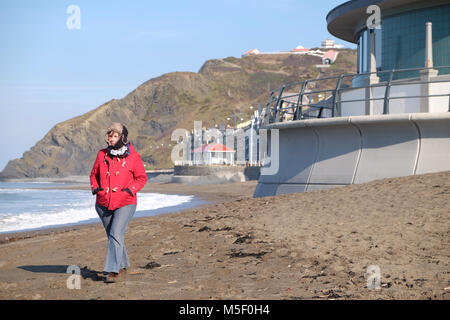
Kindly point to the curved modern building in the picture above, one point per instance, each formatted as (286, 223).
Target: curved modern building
(400, 39)
(391, 119)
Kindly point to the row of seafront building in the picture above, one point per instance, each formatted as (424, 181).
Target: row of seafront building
(231, 146)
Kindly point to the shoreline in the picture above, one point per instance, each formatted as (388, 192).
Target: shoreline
(207, 194)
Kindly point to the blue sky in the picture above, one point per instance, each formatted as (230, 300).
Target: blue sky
(50, 73)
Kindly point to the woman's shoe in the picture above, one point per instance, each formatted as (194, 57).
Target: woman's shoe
(112, 277)
(122, 271)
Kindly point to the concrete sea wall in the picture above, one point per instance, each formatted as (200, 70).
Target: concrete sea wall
(214, 174)
(325, 153)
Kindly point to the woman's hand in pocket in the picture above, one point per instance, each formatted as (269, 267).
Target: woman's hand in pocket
(128, 191)
(96, 190)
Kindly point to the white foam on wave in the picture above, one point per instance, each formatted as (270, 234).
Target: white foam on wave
(44, 182)
(152, 201)
(82, 211)
(19, 190)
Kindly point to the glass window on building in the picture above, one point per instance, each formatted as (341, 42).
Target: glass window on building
(378, 47)
(360, 55)
(400, 43)
(403, 40)
(364, 44)
(362, 52)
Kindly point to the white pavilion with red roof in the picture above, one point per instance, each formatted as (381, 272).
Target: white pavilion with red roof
(217, 153)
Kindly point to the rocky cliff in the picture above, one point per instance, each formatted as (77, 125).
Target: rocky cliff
(221, 88)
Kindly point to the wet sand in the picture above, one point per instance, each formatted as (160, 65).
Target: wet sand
(315, 245)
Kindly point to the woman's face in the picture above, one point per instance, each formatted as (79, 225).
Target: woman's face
(113, 137)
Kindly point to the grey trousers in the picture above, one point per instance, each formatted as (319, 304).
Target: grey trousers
(115, 223)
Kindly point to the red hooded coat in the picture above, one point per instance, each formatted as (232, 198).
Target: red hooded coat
(115, 174)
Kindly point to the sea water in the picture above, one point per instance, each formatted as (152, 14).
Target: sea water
(26, 206)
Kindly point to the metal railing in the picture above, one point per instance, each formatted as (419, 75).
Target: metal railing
(323, 97)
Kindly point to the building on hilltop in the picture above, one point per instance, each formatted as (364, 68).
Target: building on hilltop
(328, 56)
(251, 52)
(330, 44)
(300, 49)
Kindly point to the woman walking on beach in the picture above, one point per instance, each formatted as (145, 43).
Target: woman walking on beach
(117, 175)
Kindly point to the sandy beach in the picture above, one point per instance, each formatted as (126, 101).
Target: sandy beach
(315, 245)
